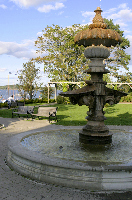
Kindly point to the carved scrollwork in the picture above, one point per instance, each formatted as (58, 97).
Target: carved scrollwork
(86, 100)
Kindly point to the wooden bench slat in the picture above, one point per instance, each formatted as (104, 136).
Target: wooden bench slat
(46, 112)
(23, 110)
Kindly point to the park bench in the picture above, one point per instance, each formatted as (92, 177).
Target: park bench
(23, 110)
(12, 104)
(46, 112)
(20, 103)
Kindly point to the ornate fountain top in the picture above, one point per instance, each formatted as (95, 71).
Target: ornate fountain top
(98, 34)
(98, 21)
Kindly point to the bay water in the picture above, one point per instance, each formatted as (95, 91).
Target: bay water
(5, 94)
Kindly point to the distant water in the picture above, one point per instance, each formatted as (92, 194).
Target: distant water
(4, 94)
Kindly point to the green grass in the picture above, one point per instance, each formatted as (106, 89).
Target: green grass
(71, 115)
(6, 113)
(119, 114)
(35, 104)
(74, 115)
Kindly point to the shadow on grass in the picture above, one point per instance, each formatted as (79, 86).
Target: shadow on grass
(63, 107)
(121, 119)
(110, 109)
(70, 122)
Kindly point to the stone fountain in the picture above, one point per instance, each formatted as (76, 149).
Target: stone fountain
(95, 94)
(57, 155)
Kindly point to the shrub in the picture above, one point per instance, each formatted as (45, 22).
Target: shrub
(52, 100)
(37, 100)
(66, 100)
(60, 99)
(127, 98)
(3, 105)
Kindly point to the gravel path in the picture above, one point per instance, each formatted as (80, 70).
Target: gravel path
(16, 187)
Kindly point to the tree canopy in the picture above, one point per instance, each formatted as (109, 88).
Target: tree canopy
(64, 60)
(28, 79)
(44, 92)
(119, 59)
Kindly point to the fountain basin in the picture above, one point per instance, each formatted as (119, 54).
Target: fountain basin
(57, 157)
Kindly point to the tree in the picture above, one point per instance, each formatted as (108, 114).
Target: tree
(44, 92)
(28, 79)
(64, 60)
(119, 59)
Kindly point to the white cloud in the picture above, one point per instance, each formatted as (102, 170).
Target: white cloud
(60, 13)
(126, 15)
(87, 14)
(111, 10)
(48, 8)
(121, 23)
(28, 3)
(123, 6)
(126, 31)
(3, 69)
(121, 14)
(129, 37)
(3, 6)
(39, 33)
(24, 50)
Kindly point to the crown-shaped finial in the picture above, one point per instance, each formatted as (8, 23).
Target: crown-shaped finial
(98, 21)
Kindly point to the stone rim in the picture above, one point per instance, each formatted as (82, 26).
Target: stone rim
(17, 148)
(90, 176)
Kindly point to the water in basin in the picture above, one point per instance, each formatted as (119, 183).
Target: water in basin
(65, 144)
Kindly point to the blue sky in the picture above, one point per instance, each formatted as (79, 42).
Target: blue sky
(22, 21)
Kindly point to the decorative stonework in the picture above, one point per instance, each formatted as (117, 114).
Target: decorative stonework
(98, 33)
(98, 21)
(95, 94)
(97, 52)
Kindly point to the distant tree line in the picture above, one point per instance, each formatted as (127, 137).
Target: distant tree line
(12, 87)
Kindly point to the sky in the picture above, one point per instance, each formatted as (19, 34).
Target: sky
(22, 21)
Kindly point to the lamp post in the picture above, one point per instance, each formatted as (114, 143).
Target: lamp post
(8, 85)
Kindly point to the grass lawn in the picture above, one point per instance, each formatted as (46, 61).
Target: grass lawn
(118, 114)
(74, 115)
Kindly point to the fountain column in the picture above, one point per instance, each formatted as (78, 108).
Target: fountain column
(95, 131)
(97, 39)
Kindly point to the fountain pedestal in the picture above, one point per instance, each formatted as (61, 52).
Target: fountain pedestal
(95, 94)
(95, 131)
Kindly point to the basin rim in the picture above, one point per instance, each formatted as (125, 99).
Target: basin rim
(18, 149)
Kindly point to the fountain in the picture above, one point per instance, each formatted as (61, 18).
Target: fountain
(95, 94)
(95, 160)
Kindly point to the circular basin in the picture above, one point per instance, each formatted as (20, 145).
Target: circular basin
(57, 157)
